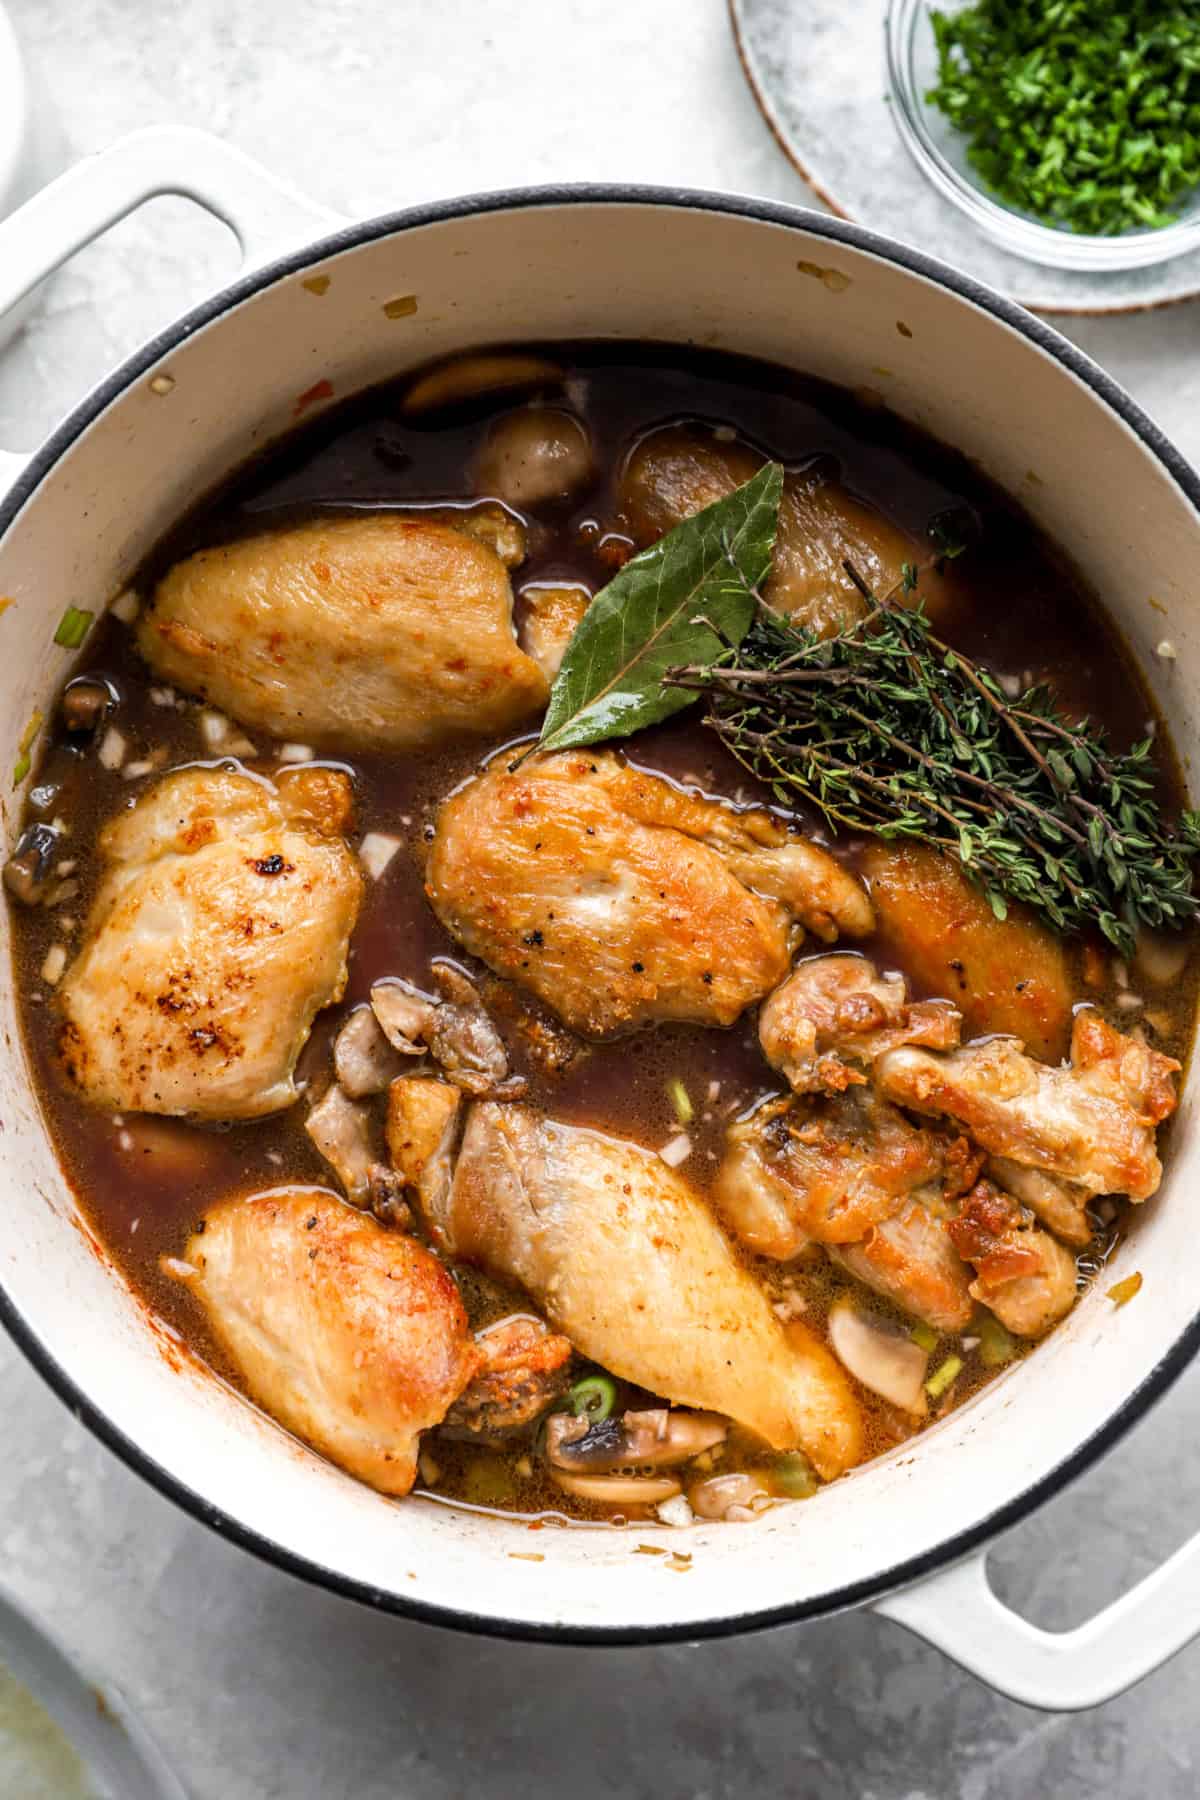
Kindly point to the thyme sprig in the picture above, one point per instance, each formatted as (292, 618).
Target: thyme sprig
(886, 729)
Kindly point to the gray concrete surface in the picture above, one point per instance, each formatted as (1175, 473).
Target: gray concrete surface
(260, 1686)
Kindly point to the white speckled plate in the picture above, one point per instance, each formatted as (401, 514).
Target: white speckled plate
(62, 1737)
(816, 69)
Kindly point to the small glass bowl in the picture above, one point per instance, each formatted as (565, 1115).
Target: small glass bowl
(940, 152)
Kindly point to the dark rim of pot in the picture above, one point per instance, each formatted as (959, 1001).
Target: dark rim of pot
(1037, 332)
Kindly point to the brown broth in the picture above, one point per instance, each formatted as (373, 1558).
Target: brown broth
(142, 1182)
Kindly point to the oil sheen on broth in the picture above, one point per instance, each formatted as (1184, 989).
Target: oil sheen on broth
(1014, 604)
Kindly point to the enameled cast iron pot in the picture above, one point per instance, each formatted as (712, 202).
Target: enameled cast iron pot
(908, 1534)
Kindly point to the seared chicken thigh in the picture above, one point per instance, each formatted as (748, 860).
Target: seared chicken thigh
(220, 928)
(911, 1260)
(378, 632)
(621, 899)
(830, 1168)
(851, 1174)
(678, 471)
(1025, 1276)
(835, 1014)
(624, 1258)
(350, 1335)
(1005, 975)
(1092, 1123)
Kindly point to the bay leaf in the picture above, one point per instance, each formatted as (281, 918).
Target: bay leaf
(664, 608)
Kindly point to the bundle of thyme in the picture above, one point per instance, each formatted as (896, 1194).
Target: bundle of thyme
(888, 730)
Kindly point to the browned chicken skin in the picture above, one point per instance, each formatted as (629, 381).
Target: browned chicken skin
(1091, 1123)
(377, 632)
(551, 615)
(620, 899)
(1025, 1276)
(1004, 975)
(911, 1260)
(679, 470)
(523, 1369)
(835, 1014)
(625, 1259)
(849, 1172)
(844, 1162)
(350, 1335)
(220, 928)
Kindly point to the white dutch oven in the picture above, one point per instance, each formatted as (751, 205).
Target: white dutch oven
(907, 1534)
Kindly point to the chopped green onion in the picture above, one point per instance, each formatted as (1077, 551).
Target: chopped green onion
(34, 724)
(73, 627)
(996, 1344)
(794, 1476)
(593, 1398)
(942, 1376)
(24, 759)
(681, 1100)
(1125, 1290)
(924, 1337)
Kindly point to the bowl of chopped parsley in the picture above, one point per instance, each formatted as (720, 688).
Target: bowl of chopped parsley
(1068, 130)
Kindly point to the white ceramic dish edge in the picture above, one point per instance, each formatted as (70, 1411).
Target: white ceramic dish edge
(67, 517)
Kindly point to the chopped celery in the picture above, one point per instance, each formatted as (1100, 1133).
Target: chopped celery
(943, 1376)
(794, 1476)
(73, 627)
(681, 1100)
(924, 1337)
(996, 1345)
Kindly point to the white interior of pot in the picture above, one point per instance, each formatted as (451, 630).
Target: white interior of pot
(632, 271)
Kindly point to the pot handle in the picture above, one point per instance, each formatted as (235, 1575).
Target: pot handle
(265, 214)
(1058, 1671)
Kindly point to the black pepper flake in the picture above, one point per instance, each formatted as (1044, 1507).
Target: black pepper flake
(272, 865)
(310, 1223)
(534, 939)
(706, 978)
(639, 968)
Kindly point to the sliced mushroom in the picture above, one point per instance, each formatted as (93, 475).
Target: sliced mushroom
(657, 1438)
(888, 1363)
(28, 870)
(363, 1059)
(535, 454)
(735, 1498)
(619, 1490)
(341, 1130)
(463, 1039)
(404, 1013)
(468, 377)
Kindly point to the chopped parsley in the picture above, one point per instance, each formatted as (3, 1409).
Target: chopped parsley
(1085, 113)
